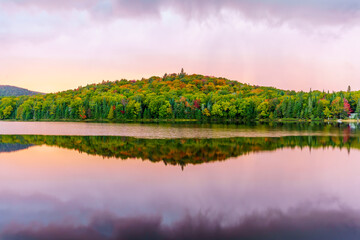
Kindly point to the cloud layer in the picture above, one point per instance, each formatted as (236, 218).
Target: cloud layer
(314, 11)
(57, 45)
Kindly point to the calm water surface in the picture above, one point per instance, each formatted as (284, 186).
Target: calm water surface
(289, 187)
(176, 130)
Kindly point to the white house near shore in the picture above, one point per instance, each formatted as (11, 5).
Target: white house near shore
(354, 116)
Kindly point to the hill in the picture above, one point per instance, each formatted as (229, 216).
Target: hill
(6, 90)
(180, 96)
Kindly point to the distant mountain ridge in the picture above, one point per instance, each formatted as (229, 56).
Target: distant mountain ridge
(6, 90)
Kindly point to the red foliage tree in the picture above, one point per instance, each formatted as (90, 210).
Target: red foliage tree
(196, 103)
(347, 107)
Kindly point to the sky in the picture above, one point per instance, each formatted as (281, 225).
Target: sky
(57, 45)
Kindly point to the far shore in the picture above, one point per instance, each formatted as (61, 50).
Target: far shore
(227, 121)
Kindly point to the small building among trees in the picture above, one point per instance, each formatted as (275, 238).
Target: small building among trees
(354, 116)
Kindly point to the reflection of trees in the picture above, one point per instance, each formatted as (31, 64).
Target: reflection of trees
(12, 147)
(180, 151)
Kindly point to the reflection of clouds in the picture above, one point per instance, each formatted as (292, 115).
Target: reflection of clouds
(298, 223)
(39, 209)
(83, 184)
(78, 190)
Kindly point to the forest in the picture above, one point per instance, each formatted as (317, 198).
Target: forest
(176, 151)
(180, 97)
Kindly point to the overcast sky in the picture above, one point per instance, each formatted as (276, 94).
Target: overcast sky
(62, 44)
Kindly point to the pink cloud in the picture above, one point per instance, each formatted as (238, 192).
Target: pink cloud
(57, 45)
(333, 12)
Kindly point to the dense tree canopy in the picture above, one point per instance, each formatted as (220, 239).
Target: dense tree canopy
(180, 96)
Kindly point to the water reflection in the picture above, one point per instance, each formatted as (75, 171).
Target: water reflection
(177, 151)
(12, 147)
(49, 191)
(273, 224)
(292, 187)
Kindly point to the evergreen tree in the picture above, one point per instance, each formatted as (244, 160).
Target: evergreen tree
(111, 113)
(357, 111)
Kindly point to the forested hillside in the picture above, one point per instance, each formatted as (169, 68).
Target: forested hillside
(180, 96)
(6, 90)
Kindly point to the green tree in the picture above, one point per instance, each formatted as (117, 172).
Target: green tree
(111, 113)
(7, 112)
(327, 113)
(263, 110)
(357, 110)
(216, 110)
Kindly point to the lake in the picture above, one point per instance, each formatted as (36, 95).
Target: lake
(179, 181)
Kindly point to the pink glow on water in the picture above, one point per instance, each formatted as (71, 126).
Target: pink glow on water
(270, 180)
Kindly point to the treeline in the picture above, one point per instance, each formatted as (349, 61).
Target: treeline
(180, 96)
(177, 151)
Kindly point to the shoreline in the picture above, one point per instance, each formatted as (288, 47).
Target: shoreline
(192, 121)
